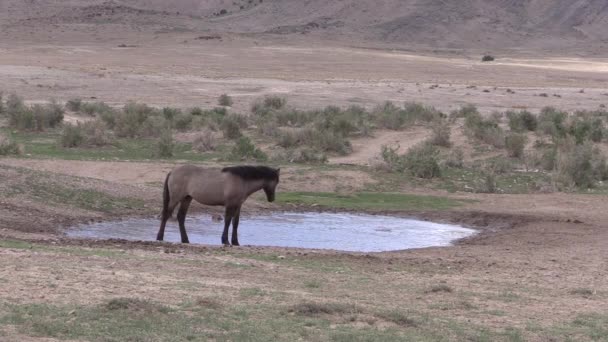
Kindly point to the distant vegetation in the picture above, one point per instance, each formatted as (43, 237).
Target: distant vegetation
(544, 151)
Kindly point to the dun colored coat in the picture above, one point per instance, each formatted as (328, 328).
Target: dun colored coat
(229, 187)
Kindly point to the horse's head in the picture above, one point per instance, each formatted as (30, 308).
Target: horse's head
(270, 186)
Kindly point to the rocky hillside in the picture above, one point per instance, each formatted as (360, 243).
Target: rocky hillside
(485, 24)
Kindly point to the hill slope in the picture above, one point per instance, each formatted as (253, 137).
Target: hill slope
(534, 24)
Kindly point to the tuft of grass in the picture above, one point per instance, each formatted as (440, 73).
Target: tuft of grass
(315, 309)
(583, 292)
(439, 288)
(369, 201)
(398, 317)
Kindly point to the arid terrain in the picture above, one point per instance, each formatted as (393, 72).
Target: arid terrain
(536, 271)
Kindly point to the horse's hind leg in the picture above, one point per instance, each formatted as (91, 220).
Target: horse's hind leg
(165, 216)
(230, 211)
(235, 227)
(181, 218)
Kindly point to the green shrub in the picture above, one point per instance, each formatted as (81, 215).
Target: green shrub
(244, 149)
(183, 121)
(153, 126)
(392, 117)
(170, 113)
(551, 122)
(8, 146)
(274, 102)
(485, 130)
(231, 128)
(522, 121)
(441, 134)
(74, 104)
(487, 58)
(196, 111)
(87, 134)
(420, 161)
(92, 108)
(579, 166)
(455, 159)
(597, 130)
(72, 136)
(515, 144)
(464, 112)
(165, 145)
(129, 122)
(37, 117)
(2, 108)
(205, 141)
(225, 100)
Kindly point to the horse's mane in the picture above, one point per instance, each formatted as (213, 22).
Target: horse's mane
(247, 172)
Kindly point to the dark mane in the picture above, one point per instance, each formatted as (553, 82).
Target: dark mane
(253, 172)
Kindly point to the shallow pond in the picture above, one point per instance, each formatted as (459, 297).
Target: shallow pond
(338, 231)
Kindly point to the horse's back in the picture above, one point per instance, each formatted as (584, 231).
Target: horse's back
(205, 185)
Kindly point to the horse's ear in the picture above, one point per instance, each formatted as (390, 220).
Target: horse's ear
(278, 171)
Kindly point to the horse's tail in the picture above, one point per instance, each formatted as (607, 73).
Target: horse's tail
(166, 198)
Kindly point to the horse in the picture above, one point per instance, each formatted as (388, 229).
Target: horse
(229, 187)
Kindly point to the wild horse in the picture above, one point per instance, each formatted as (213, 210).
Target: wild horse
(229, 187)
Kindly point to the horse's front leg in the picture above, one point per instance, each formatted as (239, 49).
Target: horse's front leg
(230, 211)
(235, 227)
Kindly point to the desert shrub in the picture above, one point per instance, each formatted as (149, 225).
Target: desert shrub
(420, 161)
(552, 122)
(37, 117)
(464, 112)
(225, 100)
(196, 111)
(317, 138)
(170, 113)
(92, 108)
(269, 128)
(487, 58)
(183, 121)
(74, 104)
(72, 136)
(394, 161)
(498, 165)
(165, 144)
(87, 134)
(522, 121)
(96, 134)
(441, 134)
(485, 130)
(324, 140)
(515, 144)
(579, 166)
(109, 118)
(231, 127)
(153, 126)
(488, 183)
(389, 116)
(274, 102)
(597, 130)
(455, 158)
(205, 141)
(8, 146)
(2, 108)
(244, 149)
